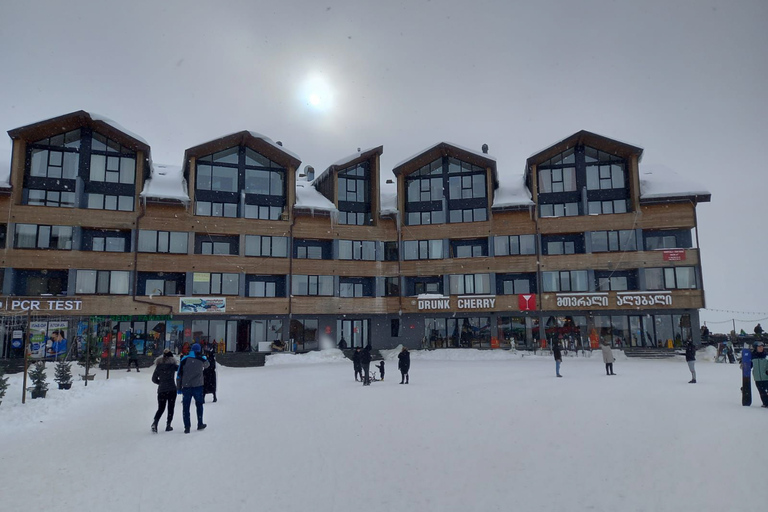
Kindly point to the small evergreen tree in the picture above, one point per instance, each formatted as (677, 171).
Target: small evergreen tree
(37, 374)
(90, 356)
(63, 375)
(3, 383)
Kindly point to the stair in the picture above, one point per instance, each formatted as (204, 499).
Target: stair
(650, 353)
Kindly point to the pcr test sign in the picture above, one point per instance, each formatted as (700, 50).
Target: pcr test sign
(43, 304)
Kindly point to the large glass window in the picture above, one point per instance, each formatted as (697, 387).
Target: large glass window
(468, 284)
(29, 282)
(617, 280)
(266, 246)
(312, 285)
(559, 209)
(172, 242)
(265, 286)
(162, 283)
(53, 165)
(353, 191)
(217, 244)
(33, 236)
(55, 198)
(557, 180)
(103, 282)
(391, 286)
(469, 332)
(304, 332)
(514, 245)
(215, 283)
(562, 244)
(668, 239)
(670, 278)
(357, 250)
(565, 281)
(469, 248)
(312, 249)
(422, 249)
(612, 241)
(515, 284)
(424, 284)
(356, 287)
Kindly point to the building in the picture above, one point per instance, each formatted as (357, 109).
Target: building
(240, 247)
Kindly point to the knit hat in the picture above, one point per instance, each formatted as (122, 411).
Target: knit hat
(167, 352)
(196, 347)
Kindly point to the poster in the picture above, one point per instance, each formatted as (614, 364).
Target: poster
(57, 343)
(203, 304)
(37, 341)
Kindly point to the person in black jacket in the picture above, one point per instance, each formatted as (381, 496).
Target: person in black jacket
(380, 366)
(365, 360)
(164, 376)
(690, 356)
(558, 356)
(357, 364)
(404, 365)
(209, 374)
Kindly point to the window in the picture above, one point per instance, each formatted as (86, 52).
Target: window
(391, 252)
(171, 242)
(312, 285)
(265, 286)
(668, 239)
(211, 209)
(312, 249)
(391, 286)
(162, 283)
(557, 180)
(612, 241)
(670, 278)
(562, 244)
(3, 231)
(468, 284)
(356, 287)
(559, 210)
(357, 250)
(304, 332)
(266, 246)
(469, 248)
(394, 327)
(49, 163)
(565, 281)
(514, 245)
(106, 241)
(469, 215)
(353, 188)
(422, 249)
(515, 284)
(204, 283)
(103, 282)
(618, 280)
(110, 202)
(605, 177)
(217, 245)
(607, 207)
(40, 282)
(221, 176)
(33, 236)
(58, 199)
(425, 284)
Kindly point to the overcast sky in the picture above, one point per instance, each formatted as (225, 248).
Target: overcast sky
(685, 80)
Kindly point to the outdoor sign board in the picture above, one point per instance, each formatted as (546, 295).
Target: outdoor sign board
(674, 255)
(203, 305)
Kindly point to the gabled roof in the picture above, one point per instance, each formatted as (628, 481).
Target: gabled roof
(349, 161)
(447, 149)
(584, 137)
(79, 119)
(259, 143)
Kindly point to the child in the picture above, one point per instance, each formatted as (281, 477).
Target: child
(380, 366)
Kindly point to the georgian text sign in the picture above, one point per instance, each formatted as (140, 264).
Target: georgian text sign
(621, 300)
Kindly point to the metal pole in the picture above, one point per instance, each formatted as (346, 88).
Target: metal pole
(27, 341)
(109, 347)
(88, 351)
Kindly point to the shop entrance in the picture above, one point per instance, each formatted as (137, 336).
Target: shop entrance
(355, 332)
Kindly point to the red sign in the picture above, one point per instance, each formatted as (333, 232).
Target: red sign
(526, 302)
(674, 255)
(327, 329)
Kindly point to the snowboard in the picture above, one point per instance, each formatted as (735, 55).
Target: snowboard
(746, 377)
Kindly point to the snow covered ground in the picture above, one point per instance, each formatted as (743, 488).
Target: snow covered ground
(472, 431)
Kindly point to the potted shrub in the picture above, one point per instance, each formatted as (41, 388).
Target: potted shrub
(89, 358)
(3, 384)
(63, 375)
(39, 386)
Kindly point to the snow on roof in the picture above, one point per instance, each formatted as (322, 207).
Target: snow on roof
(106, 120)
(344, 161)
(5, 173)
(478, 153)
(308, 197)
(658, 180)
(166, 182)
(388, 198)
(512, 193)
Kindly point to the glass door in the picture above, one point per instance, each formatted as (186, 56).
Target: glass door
(355, 332)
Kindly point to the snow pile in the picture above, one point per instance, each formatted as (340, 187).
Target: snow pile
(512, 193)
(166, 182)
(310, 198)
(658, 180)
(708, 354)
(331, 355)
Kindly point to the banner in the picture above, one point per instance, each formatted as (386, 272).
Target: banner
(37, 341)
(203, 304)
(56, 345)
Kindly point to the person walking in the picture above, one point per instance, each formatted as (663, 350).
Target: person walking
(133, 356)
(760, 371)
(690, 356)
(558, 356)
(357, 364)
(209, 374)
(189, 383)
(608, 358)
(165, 371)
(404, 365)
(365, 360)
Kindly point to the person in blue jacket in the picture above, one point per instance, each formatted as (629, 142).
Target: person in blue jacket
(189, 384)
